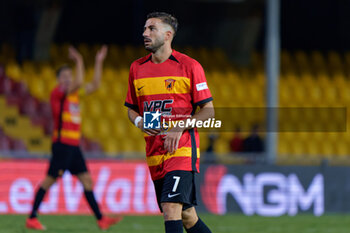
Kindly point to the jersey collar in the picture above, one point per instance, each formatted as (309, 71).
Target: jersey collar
(171, 58)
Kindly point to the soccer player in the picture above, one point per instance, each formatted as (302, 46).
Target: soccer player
(66, 154)
(171, 83)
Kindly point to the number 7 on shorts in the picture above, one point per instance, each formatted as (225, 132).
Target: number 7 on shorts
(177, 180)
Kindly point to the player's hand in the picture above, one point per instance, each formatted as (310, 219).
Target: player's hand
(74, 54)
(172, 139)
(101, 53)
(150, 132)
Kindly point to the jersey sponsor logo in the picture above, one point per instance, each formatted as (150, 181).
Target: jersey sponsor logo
(139, 88)
(74, 108)
(201, 86)
(169, 84)
(157, 105)
(173, 195)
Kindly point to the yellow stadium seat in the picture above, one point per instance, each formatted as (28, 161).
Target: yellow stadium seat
(37, 88)
(342, 148)
(327, 149)
(302, 60)
(203, 141)
(19, 127)
(286, 59)
(103, 129)
(126, 145)
(120, 128)
(318, 61)
(47, 72)
(111, 146)
(130, 53)
(29, 67)
(297, 148)
(14, 71)
(331, 95)
(256, 94)
(257, 60)
(140, 146)
(312, 148)
(221, 146)
(84, 50)
(335, 61)
(111, 110)
(54, 51)
(109, 76)
(88, 127)
(282, 148)
(94, 108)
(300, 94)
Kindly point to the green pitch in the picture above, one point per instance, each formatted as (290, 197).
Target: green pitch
(218, 224)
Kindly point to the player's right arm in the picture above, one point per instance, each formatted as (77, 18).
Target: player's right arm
(132, 103)
(132, 114)
(77, 82)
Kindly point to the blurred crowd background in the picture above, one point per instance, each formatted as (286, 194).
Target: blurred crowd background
(226, 37)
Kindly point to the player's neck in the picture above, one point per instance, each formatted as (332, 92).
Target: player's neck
(162, 54)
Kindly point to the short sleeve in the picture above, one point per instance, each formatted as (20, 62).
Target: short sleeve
(200, 90)
(57, 94)
(131, 99)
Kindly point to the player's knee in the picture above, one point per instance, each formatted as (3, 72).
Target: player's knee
(86, 180)
(88, 184)
(48, 181)
(189, 218)
(171, 211)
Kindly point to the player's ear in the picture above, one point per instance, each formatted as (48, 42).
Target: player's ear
(168, 35)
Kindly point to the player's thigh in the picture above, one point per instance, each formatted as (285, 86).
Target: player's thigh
(158, 186)
(171, 211)
(59, 161)
(78, 164)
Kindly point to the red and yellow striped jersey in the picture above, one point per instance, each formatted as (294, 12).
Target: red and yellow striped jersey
(175, 87)
(66, 116)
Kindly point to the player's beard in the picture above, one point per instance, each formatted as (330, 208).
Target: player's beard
(154, 46)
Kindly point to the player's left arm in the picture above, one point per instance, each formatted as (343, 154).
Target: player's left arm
(79, 75)
(172, 138)
(96, 81)
(205, 112)
(201, 97)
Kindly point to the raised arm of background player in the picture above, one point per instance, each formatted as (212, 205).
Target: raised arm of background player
(77, 82)
(99, 59)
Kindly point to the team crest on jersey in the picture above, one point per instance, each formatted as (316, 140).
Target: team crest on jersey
(169, 84)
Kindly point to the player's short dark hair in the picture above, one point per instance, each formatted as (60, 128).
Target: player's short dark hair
(166, 18)
(62, 68)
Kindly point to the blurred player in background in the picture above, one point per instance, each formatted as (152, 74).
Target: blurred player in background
(66, 154)
(171, 83)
